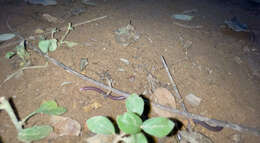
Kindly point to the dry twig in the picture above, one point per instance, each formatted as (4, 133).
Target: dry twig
(175, 88)
(21, 70)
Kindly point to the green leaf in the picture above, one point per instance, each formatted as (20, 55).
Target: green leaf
(21, 51)
(34, 133)
(101, 125)
(135, 104)
(137, 138)
(48, 45)
(51, 108)
(53, 45)
(70, 44)
(9, 55)
(6, 36)
(129, 123)
(158, 127)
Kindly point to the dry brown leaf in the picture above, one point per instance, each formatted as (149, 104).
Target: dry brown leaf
(65, 126)
(163, 96)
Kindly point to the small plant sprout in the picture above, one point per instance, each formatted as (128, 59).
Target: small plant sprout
(131, 124)
(53, 31)
(20, 50)
(70, 28)
(36, 132)
(52, 44)
(48, 45)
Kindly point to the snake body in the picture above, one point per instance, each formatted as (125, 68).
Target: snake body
(100, 91)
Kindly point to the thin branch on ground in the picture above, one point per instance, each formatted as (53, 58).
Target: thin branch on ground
(175, 88)
(21, 70)
(240, 128)
(89, 21)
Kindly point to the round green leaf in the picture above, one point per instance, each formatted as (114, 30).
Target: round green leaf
(135, 104)
(51, 108)
(34, 133)
(101, 125)
(137, 138)
(158, 127)
(44, 46)
(129, 123)
(48, 45)
(53, 45)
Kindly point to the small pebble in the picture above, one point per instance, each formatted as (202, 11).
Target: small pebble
(238, 60)
(246, 49)
(236, 138)
(124, 61)
(193, 100)
(131, 78)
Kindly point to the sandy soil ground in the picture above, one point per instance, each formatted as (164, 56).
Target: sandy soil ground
(221, 67)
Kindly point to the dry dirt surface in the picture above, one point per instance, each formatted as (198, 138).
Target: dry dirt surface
(220, 66)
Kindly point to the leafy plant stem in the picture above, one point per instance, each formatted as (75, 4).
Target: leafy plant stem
(5, 105)
(27, 117)
(53, 32)
(66, 33)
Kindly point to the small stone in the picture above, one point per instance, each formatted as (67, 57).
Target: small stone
(126, 35)
(236, 138)
(98, 138)
(238, 60)
(246, 49)
(193, 100)
(187, 44)
(163, 96)
(194, 137)
(124, 61)
(83, 63)
(64, 126)
(132, 78)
